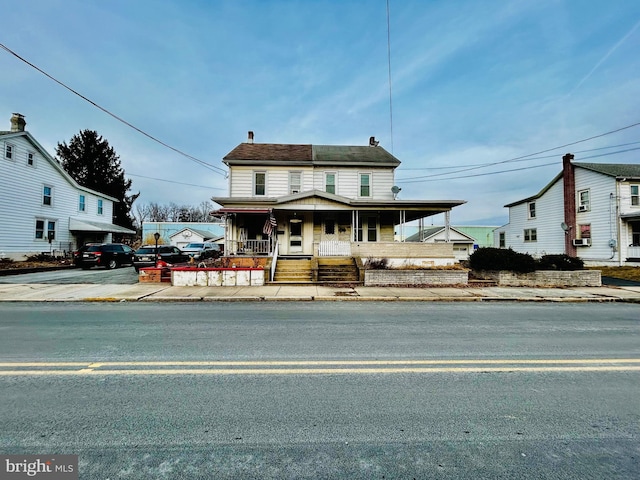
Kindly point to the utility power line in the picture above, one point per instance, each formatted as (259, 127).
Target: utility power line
(218, 170)
(175, 182)
(413, 179)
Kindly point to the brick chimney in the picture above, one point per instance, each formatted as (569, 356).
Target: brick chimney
(17, 123)
(569, 184)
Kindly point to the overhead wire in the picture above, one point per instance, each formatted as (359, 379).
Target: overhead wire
(413, 179)
(217, 170)
(174, 182)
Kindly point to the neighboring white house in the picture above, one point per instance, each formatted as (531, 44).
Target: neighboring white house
(42, 209)
(320, 200)
(181, 233)
(463, 244)
(589, 210)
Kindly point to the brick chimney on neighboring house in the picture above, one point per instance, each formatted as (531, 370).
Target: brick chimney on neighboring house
(17, 123)
(569, 183)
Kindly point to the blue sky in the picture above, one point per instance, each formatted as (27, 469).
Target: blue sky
(473, 82)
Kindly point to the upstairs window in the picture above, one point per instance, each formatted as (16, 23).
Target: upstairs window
(31, 159)
(100, 207)
(82, 203)
(259, 183)
(330, 182)
(584, 204)
(8, 151)
(530, 235)
(502, 240)
(635, 195)
(295, 182)
(47, 195)
(532, 209)
(365, 184)
(585, 230)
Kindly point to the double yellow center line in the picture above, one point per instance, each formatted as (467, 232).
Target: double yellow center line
(319, 367)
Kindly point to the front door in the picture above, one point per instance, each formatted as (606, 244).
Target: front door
(295, 235)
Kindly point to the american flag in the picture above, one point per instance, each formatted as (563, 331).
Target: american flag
(269, 225)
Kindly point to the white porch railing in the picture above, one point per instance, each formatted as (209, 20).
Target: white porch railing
(334, 248)
(633, 252)
(249, 247)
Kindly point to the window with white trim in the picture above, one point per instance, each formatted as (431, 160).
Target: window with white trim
(635, 195)
(330, 182)
(502, 242)
(295, 182)
(51, 230)
(9, 151)
(584, 204)
(259, 184)
(365, 184)
(100, 207)
(530, 235)
(47, 195)
(531, 207)
(31, 159)
(82, 203)
(39, 229)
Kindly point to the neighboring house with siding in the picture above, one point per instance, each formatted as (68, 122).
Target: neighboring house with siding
(42, 209)
(319, 201)
(182, 233)
(589, 210)
(465, 239)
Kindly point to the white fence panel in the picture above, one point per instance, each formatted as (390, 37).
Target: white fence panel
(334, 248)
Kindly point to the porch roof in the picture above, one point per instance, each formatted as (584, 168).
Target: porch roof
(317, 200)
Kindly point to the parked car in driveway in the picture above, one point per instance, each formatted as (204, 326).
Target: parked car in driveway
(202, 250)
(109, 255)
(145, 256)
(77, 255)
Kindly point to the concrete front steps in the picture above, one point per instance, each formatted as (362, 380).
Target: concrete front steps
(293, 271)
(335, 270)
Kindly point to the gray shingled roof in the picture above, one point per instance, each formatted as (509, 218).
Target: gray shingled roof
(613, 169)
(309, 154)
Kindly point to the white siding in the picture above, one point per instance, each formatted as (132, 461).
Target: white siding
(347, 181)
(549, 216)
(21, 193)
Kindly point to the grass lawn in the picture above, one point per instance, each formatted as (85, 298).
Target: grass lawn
(627, 273)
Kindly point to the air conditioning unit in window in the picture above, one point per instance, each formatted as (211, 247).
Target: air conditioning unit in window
(581, 242)
(582, 208)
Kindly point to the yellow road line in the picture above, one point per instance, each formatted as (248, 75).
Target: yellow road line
(258, 363)
(323, 371)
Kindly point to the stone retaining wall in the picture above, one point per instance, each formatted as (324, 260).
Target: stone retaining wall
(415, 277)
(546, 278)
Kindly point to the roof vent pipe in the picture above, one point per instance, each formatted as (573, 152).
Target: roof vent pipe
(250, 140)
(373, 142)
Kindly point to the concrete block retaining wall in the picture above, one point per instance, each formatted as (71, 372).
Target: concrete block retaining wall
(546, 278)
(415, 277)
(217, 277)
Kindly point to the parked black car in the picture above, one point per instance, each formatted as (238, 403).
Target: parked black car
(145, 256)
(77, 255)
(109, 255)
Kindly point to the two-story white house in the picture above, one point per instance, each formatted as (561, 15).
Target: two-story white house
(589, 210)
(42, 209)
(321, 200)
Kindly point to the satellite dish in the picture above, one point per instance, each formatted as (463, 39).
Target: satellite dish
(395, 190)
(564, 226)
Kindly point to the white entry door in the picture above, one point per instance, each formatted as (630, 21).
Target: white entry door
(295, 235)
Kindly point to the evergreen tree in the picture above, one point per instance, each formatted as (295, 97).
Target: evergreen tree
(93, 163)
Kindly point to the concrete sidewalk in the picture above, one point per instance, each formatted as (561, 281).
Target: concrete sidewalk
(162, 292)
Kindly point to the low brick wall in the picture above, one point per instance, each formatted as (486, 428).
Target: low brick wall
(546, 278)
(216, 277)
(373, 278)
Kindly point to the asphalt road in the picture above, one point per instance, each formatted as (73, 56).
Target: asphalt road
(325, 390)
(97, 275)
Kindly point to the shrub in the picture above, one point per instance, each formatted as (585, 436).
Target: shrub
(560, 262)
(490, 258)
